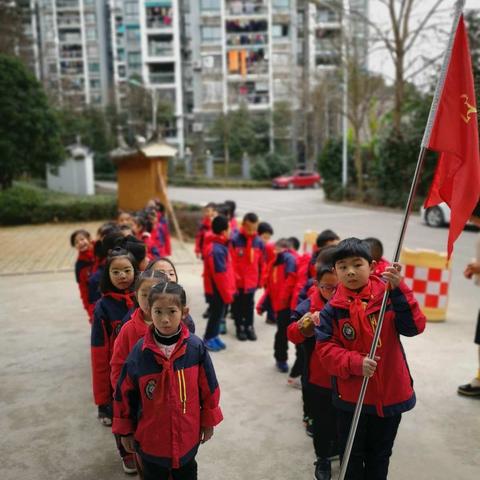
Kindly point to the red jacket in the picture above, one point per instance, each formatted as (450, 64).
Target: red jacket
(204, 227)
(281, 281)
(130, 333)
(302, 277)
(107, 319)
(164, 402)
(248, 260)
(317, 374)
(218, 275)
(83, 270)
(344, 338)
(162, 236)
(382, 264)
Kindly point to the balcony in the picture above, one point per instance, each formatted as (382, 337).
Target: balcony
(162, 78)
(159, 18)
(240, 8)
(68, 21)
(70, 38)
(160, 50)
(74, 52)
(247, 40)
(68, 5)
(327, 16)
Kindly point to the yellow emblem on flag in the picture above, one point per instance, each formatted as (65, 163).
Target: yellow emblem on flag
(470, 109)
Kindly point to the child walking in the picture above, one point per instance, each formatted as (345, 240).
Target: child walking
(345, 334)
(167, 397)
(219, 280)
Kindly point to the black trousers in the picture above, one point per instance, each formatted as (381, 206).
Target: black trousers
(324, 415)
(216, 313)
(477, 330)
(298, 366)
(280, 345)
(242, 309)
(372, 446)
(152, 471)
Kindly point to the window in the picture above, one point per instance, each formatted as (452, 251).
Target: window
(95, 84)
(133, 35)
(134, 60)
(92, 51)
(279, 31)
(89, 18)
(131, 8)
(91, 34)
(93, 67)
(209, 5)
(281, 4)
(211, 34)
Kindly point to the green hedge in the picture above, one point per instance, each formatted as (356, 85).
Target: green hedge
(24, 204)
(217, 183)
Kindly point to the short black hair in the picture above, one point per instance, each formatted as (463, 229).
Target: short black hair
(211, 205)
(106, 284)
(106, 229)
(135, 246)
(219, 224)
(143, 222)
(351, 247)
(264, 227)
(250, 217)
(223, 209)
(109, 242)
(282, 243)
(80, 231)
(324, 257)
(294, 243)
(168, 288)
(232, 206)
(326, 236)
(324, 269)
(376, 247)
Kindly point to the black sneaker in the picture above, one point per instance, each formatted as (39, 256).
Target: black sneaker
(323, 469)
(241, 334)
(105, 415)
(469, 390)
(251, 335)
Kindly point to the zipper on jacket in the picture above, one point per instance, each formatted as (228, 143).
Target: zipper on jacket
(183, 389)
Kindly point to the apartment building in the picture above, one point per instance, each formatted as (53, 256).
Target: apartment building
(147, 53)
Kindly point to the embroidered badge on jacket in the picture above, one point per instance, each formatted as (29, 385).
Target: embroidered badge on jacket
(150, 388)
(348, 331)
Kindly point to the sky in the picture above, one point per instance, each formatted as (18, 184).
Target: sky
(430, 46)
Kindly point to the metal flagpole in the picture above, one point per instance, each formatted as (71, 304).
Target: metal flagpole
(421, 158)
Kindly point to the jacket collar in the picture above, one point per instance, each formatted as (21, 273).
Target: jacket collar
(150, 344)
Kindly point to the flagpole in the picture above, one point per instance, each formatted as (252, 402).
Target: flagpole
(421, 159)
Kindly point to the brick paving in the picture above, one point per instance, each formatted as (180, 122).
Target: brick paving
(46, 248)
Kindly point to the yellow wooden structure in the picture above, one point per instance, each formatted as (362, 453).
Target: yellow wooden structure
(142, 174)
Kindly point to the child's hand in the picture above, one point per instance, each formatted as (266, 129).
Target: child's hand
(306, 325)
(369, 366)
(206, 433)
(393, 275)
(473, 268)
(128, 443)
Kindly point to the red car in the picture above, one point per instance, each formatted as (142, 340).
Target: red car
(298, 179)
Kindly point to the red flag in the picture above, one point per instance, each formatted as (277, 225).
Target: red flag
(455, 136)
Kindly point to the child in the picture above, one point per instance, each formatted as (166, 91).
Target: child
(136, 327)
(163, 238)
(232, 206)
(219, 280)
(279, 289)
(209, 212)
(345, 334)
(376, 249)
(265, 232)
(248, 254)
(80, 239)
(320, 414)
(124, 218)
(142, 227)
(167, 397)
(117, 298)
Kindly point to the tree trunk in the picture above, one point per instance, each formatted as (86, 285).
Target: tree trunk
(357, 159)
(399, 94)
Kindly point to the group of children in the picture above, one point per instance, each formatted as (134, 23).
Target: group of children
(153, 379)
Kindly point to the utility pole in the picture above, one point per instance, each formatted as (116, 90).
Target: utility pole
(345, 31)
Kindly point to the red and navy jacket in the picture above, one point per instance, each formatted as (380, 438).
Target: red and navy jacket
(162, 237)
(248, 254)
(344, 338)
(93, 285)
(205, 226)
(164, 401)
(233, 226)
(269, 259)
(218, 274)
(83, 271)
(302, 278)
(315, 373)
(107, 320)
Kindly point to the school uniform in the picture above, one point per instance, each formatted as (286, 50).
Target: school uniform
(83, 270)
(344, 336)
(93, 286)
(164, 398)
(219, 281)
(162, 237)
(279, 290)
(204, 227)
(248, 264)
(316, 382)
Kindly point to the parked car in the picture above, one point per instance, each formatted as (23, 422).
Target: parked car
(439, 216)
(298, 179)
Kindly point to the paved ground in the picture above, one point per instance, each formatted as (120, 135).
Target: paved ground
(48, 420)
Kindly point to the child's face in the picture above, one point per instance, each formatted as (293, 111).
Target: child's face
(121, 273)
(250, 228)
(142, 297)
(124, 219)
(137, 228)
(167, 269)
(210, 212)
(353, 272)
(327, 285)
(82, 243)
(266, 237)
(167, 314)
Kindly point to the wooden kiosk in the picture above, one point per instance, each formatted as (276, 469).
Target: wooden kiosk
(142, 174)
